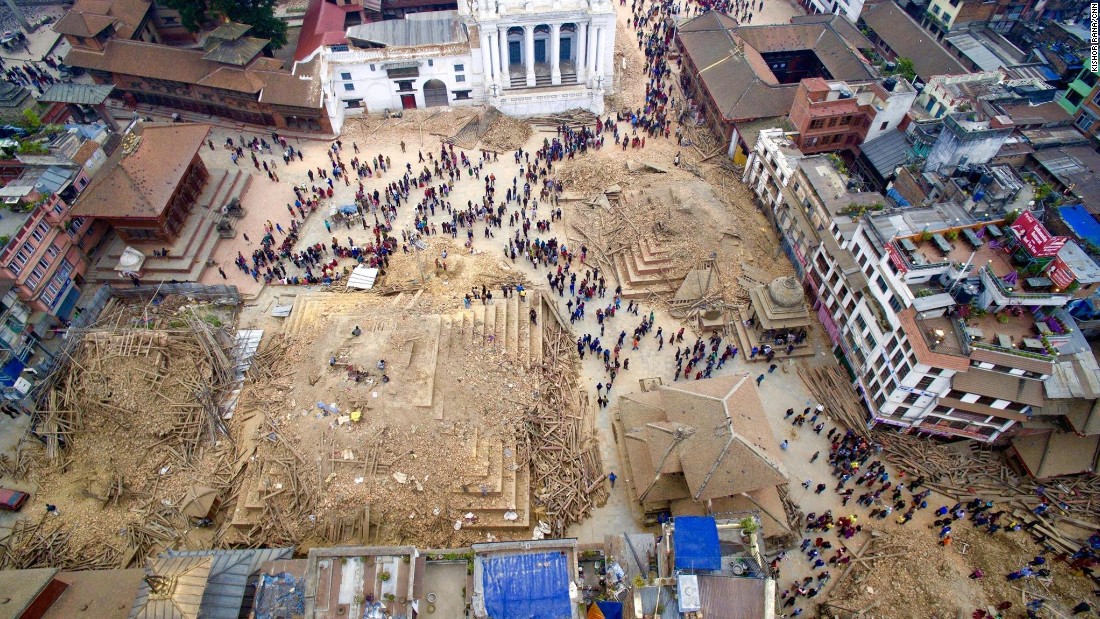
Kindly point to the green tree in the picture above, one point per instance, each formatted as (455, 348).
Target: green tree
(260, 14)
(905, 68)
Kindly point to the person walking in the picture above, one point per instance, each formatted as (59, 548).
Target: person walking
(759, 379)
(611, 477)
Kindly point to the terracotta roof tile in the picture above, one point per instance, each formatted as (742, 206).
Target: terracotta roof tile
(93, 16)
(907, 39)
(139, 184)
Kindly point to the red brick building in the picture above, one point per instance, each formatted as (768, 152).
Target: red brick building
(147, 189)
(834, 116)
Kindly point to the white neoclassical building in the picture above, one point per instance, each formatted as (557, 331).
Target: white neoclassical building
(543, 56)
(524, 58)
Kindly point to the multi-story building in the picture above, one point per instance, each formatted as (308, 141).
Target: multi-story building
(520, 60)
(834, 115)
(228, 76)
(949, 325)
(1080, 93)
(968, 137)
(736, 75)
(943, 16)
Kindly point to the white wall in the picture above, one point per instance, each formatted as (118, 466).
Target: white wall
(365, 72)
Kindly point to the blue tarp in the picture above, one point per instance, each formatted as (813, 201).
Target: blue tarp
(527, 586)
(696, 543)
(1082, 222)
(348, 209)
(898, 198)
(607, 610)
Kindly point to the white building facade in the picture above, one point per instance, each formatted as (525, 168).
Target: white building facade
(546, 56)
(524, 58)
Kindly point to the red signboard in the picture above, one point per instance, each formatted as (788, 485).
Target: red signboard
(1035, 238)
(1060, 274)
(895, 257)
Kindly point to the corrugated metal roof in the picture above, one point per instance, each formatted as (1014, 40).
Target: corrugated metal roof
(81, 94)
(440, 29)
(727, 597)
(184, 579)
(977, 52)
(227, 582)
(886, 152)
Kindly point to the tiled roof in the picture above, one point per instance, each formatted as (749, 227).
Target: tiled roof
(727, 448)
(82, 94)
(154, 61)
(323, 24)
(140, 184)
(88, 18)
(728, 59)
(300, 88)
(909, 40)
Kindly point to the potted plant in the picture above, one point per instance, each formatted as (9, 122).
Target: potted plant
(384, 576)
(748, 526)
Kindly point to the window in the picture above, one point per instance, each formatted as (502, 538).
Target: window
(460, 78)
(1096, 99)
(339, 48)
(349, 87)
(884, 125)
(430, 62)
(882, 284)
(40, 231)
(459, 68)
(936, 9)
(1088, 77)
(462, 94)
(847, 120)
(817, 124)
(345, 76)
(404, 86)
(169, 20)
(1073, 97)
(353, 103)
(833, 121)
(52, 250)
(1085, 121)
(372, 67)
(925, 383)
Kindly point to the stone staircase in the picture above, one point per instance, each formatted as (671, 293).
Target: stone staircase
(495, 484)
(646, 268)
(504, 325)
(189, 254)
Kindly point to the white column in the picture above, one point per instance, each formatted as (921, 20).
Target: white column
(555, 53)
(597, 63)
(505, 78)
(529, 53)
(494, 49)
(486, 59)
(581, 41)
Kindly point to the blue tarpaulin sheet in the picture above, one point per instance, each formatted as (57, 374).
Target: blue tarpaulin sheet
(696, 543)
(348, 209)
(606, 610)
(901, 201)
(527, 586)
(1082, 222)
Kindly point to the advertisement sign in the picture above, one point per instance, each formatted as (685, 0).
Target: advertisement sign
(1060, 274)
(1035, 238)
